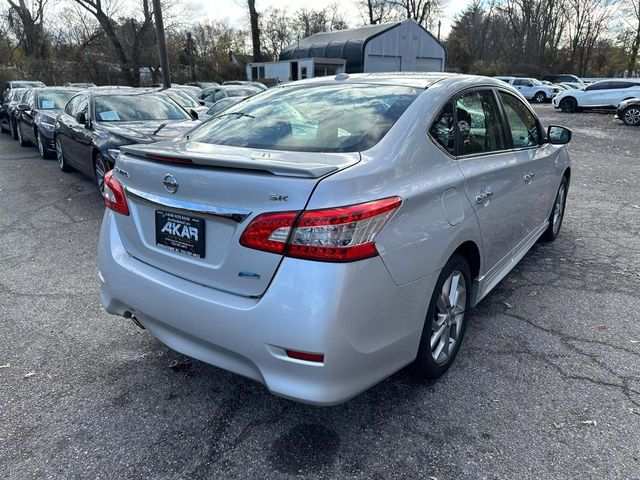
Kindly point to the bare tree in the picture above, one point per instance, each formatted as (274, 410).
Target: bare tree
(255, 31)
(377, 11)
(26, 21)
(422, 11)
(276, 31)
(102, 14)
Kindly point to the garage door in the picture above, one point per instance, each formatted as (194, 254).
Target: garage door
(428, 64)
(378, 63)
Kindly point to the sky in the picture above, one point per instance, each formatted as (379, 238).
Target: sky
(235, 11)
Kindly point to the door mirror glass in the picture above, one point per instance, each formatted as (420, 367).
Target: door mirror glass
(558, 135)
(81, 118)
(193, 114)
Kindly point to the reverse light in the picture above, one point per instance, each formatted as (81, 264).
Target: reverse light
(342, 234)
(114, 197)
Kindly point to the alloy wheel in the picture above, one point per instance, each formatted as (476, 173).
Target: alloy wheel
(540, 97)
(558, 208)
(446, 324)
(632, 116)
(59, 155)
(40, 145)
(100, 171)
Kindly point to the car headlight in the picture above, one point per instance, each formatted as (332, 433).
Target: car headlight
(47, 127)
(113, 153)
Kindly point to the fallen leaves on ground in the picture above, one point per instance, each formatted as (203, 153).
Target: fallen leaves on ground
(6, 365)
(592, 423)
(29, 375)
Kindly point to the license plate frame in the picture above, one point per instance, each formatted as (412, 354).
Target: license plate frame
(180, 233)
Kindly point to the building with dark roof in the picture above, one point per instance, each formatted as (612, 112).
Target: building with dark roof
(403, 46)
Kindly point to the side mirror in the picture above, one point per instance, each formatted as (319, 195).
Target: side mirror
(23, 107)
(81, 118)
(193, 114)
(558, 135)
(201, 102)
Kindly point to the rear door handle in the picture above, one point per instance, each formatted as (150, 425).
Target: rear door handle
(483, 197)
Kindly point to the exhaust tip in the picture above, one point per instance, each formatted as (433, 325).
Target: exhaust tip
(128, 314)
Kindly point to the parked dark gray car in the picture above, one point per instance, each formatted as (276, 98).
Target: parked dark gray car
(36, 116)
(97, 122)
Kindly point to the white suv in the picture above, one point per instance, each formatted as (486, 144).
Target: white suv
(532, 89)
(603, 94)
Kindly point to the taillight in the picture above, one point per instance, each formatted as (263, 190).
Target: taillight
(114, 197)
(342, 234)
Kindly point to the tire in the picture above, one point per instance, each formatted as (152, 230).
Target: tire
(631, 116)
(557, 212)
(569, 105)
(14, 129)
(21, 139)
(4, 130)
(540, 97)
(433, 362)
(44, 153)
(100, 168)
(60, 158)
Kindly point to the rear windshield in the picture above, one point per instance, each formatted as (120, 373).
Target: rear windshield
(26, 84)
(182, 99)
(136, 108)
(55, 99)
(321, 118)
(242, 92)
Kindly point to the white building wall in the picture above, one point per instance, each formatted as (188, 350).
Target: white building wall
(405, 48)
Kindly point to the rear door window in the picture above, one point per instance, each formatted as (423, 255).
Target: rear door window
(478, 123)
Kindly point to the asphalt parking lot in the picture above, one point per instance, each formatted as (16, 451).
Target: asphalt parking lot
(547, 384)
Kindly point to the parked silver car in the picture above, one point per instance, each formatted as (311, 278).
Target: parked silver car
(322, 235)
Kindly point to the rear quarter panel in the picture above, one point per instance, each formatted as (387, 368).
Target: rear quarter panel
(420, 238)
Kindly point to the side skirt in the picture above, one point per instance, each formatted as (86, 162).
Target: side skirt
(487, 282)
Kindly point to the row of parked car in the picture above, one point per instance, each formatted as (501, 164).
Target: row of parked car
(573, 96)
(83, 126)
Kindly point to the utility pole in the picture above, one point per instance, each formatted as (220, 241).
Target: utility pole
(162, 45)
(439, 25)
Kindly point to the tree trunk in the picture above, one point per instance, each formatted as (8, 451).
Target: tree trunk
(255, 31)
(633, 55)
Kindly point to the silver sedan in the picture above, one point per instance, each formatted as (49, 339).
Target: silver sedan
(322, 235)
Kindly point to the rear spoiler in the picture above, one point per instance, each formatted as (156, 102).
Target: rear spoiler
(267, 163)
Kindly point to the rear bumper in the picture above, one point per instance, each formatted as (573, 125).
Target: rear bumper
(366, 326)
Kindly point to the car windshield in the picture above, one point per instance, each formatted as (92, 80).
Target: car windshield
(136, 108)
(182, 99)
(55, 99)
(536, 82)
(323, 118)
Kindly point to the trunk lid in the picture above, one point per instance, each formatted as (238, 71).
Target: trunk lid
(224, 188)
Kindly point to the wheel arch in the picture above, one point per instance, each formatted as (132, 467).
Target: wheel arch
(471, 253)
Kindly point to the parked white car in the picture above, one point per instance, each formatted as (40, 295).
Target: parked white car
(532, 89)
(603, 94)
